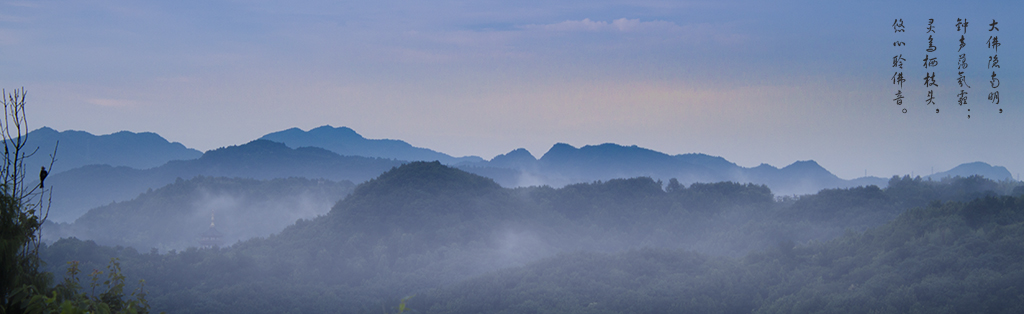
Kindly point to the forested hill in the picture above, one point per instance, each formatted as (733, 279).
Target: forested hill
(84, 188)
(174, 216)
(427, 229)
(408, 199)
(945, 258)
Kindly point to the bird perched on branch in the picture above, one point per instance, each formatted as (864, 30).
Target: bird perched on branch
(42, 176)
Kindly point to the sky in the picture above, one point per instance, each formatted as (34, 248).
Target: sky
(751, 81)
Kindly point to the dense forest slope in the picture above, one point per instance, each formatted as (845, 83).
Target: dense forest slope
(463, 244)
(949, 257)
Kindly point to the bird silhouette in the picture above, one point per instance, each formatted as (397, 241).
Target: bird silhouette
(42, 176)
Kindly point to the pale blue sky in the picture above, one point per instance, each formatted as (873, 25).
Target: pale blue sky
(751, 81)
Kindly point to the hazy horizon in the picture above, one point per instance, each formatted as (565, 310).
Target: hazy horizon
(539, 154)
(752, 82)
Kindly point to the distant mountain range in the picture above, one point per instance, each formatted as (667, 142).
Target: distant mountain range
(83, 188)
(564, 164)
(77, 148)
(117, 167)
(976, 168)
(346, 142)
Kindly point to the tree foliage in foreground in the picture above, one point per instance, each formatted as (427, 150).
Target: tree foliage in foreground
(24, 287)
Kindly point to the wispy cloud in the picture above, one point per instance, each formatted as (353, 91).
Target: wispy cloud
(619, 25)
(693, 33)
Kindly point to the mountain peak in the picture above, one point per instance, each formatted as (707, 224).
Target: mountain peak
(518, 154)
(341, 132)
(612, 148)
(432, 177)
(255, 147)
(440, 190)
(124, 148)
(809, 168)
(560, 152)
(804, 164)
(345, 141)
(976, 168)
(607, 154)
(561, 147)
(45, 130)
(517, 159)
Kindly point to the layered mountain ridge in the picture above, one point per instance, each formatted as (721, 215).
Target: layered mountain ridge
(95, 170)
(78, 148)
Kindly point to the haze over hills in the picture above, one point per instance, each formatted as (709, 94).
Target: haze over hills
(464, 244)
(173, 216)
(564, 164)
(119, 166)
(83, 188)
(346, 142)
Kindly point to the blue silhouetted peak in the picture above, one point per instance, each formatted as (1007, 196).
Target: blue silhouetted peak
(342, 132)
(345, 141)
(78, 148)
(559, 149)
(603, 155)
(516, 159)
(976, 168)
(807, 167)
(254, 150)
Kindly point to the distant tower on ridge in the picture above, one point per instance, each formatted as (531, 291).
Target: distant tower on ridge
(212, 237)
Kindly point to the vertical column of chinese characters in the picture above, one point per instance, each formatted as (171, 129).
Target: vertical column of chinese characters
(993, 63)
(930, 62)
(962, 65)
(897, 62)
(929, 80)
(961, 26)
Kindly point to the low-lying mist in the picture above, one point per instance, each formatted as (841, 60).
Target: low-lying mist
(174, 217)
(423, 228)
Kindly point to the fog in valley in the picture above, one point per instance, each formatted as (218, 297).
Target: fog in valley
(256, 228)
(430, 230)
(511, 157)
(173, 217)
